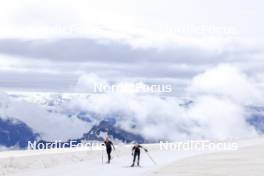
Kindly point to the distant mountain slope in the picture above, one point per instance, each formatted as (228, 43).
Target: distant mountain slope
(108, 126)
(14, 133)
(257, 118)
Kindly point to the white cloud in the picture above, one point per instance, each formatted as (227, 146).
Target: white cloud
(163, 118)
(172, 32)
(88, 82)
(141, 23)
(219, 118)
(227, 81)
(218, 110)
(50, 126)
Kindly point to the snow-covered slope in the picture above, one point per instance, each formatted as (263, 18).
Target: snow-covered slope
(81, 161)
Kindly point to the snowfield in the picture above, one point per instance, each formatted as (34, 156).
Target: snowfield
(247, 160)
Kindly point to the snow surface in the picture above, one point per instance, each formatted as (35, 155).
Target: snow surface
(81, 161)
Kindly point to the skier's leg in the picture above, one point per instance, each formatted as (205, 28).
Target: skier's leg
(134, 159)
(138, 158)
(109, 155)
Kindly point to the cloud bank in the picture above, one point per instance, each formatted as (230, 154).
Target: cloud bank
(220, 97)
(49, 125)
(215, 107)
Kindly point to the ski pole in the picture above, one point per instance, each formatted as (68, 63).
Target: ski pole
(102, 157)
(102, 154)
(151, 158)
(116, 152)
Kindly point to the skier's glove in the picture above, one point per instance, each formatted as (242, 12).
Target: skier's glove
(132, 154)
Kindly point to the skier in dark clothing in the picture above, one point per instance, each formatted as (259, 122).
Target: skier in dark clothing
(109, 145)
(136, 154)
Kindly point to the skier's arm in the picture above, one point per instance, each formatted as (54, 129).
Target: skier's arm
(113, 145)
(146, 150)
(133, 148)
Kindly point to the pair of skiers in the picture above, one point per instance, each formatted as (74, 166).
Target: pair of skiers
(135, 151)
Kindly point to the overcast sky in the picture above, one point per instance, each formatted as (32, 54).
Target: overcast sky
(47, 45)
